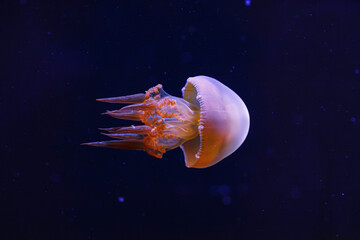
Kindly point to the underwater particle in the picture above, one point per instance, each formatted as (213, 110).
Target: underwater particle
(295, 193)
(353, 119)
(121, 199)
(224, 190)
(186, 57)
(247, 3)
(191, 29)
(55, 177)
(357, 71)
(226, 200)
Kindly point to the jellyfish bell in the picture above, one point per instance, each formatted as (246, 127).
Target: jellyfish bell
(209, 123)
(224, 122)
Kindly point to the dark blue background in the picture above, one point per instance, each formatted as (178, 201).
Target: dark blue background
(294, 63)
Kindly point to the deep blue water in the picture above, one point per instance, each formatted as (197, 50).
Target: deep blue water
(295, 64)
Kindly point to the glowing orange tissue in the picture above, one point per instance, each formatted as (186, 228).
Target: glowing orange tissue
(209, 123)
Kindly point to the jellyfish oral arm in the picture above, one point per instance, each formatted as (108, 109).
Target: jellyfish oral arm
(168, 122)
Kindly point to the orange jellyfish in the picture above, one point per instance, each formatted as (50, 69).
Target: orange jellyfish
(209, 123)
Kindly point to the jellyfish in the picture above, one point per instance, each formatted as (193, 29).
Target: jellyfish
(209, 123)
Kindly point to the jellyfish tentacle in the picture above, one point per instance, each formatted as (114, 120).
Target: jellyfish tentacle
(145, 106)
(124, 135)
(126, 115)
(129, 99)
(121, 144)
(140, 129)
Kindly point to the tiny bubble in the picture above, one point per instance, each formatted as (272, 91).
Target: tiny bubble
(353, 119)
(330, 50)
(48, 33)
(357, 71)
(247, 3)
(342, 194)
(121, 199)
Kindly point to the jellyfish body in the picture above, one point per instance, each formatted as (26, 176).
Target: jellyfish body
(209, 123)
